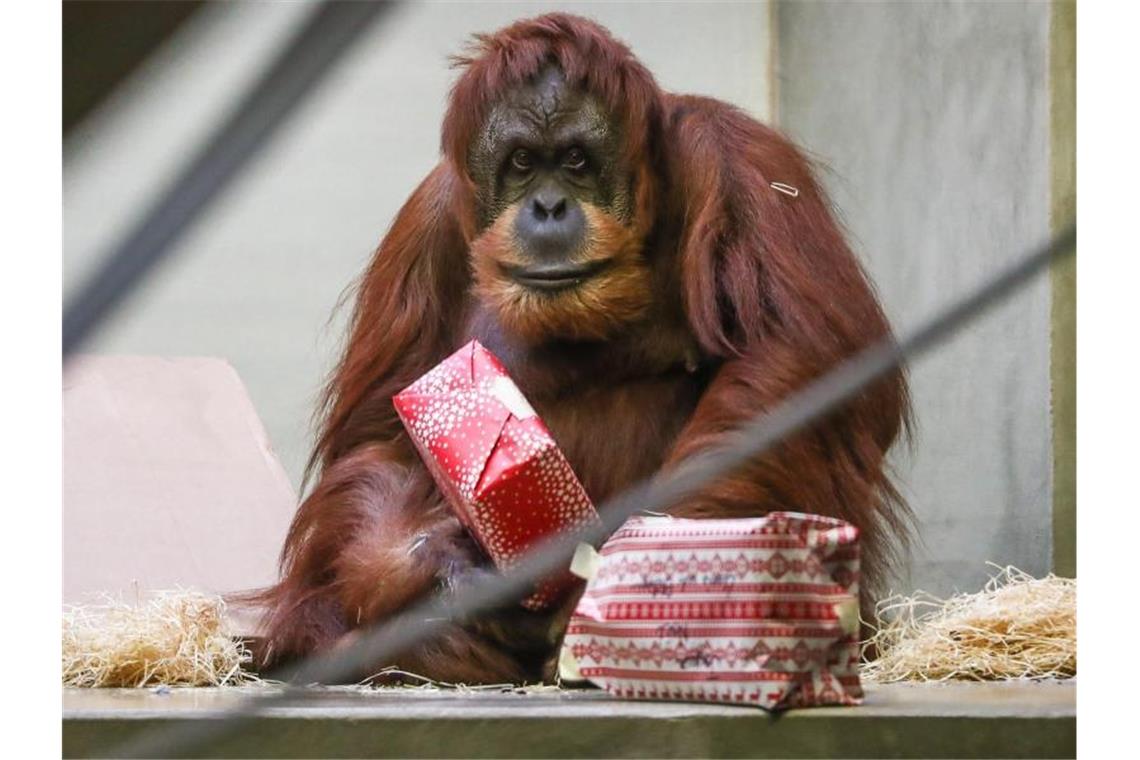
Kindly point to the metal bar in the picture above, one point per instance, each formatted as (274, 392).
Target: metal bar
(382, 642)
(328, 33)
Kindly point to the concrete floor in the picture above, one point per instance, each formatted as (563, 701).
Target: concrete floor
(899, 720)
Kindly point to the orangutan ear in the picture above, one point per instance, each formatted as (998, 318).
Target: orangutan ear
(761, 256)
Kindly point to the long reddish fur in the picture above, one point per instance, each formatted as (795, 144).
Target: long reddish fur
(772, 297)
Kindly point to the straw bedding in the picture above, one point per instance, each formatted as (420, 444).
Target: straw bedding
(1017, 627)
(172, 638)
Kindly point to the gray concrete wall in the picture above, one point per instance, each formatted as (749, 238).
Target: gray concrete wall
(932, 122)
(257, 279)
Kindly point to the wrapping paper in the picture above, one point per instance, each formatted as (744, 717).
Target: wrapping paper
(759, 611)
(495, 460)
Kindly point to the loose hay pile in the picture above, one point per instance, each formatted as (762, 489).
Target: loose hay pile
(174, 638)
(1017, 627)
(391, 678)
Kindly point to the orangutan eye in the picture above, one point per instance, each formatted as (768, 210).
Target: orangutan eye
(575, 159)
(522, 160)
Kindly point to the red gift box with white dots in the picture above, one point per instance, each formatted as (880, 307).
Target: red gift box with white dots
(758, 611)
(495, 460)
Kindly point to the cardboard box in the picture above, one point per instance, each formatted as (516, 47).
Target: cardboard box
(169, 480)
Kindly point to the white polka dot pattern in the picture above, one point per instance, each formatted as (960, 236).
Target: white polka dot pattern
(504, 475)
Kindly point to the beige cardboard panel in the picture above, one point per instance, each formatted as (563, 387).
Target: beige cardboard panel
(169, 479)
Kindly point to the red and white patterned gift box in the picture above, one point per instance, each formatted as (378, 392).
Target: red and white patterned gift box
(495, 460)
(760, 611)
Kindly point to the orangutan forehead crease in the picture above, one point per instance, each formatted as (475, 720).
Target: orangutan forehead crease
(587, 128)
(546, 114)
(548, 101)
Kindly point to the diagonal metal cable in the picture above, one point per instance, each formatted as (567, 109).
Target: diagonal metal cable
(327, 34)
(381, 643)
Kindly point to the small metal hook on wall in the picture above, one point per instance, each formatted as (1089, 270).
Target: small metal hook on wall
(785, 189)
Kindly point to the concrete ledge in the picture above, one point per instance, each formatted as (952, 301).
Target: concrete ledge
(901, 720)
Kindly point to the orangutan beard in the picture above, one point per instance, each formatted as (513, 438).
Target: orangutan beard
(595, 309)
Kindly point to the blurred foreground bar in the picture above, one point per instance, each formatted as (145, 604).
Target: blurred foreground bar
(1015, 719)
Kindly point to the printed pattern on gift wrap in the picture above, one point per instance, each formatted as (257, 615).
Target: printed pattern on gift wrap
(494, 460)
(742, 610)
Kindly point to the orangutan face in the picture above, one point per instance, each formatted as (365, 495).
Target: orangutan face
(557, 257)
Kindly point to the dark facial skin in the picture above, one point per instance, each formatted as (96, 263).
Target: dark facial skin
(549, 149)
(549, 119)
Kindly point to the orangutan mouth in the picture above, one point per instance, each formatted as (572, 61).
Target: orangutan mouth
(555, 277)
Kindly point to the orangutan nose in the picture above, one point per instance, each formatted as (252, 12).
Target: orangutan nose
(550, 227)
(549, 205)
